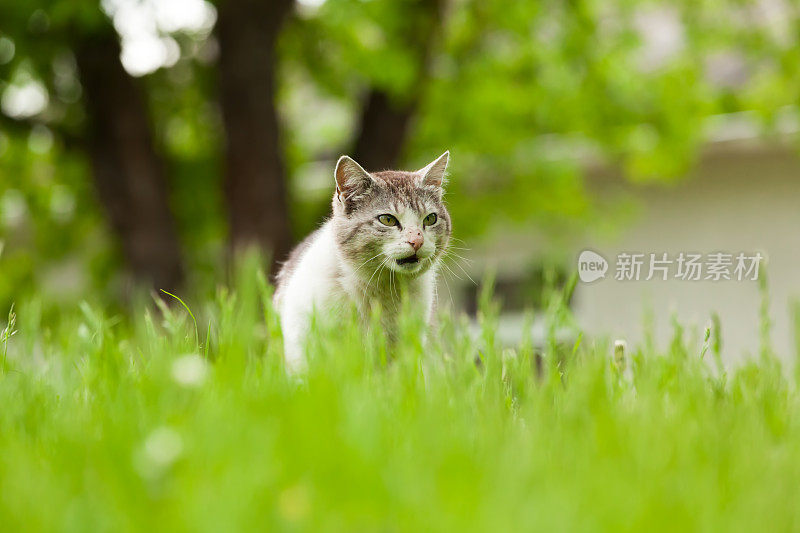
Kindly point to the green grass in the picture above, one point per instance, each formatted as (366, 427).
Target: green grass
(106, 424)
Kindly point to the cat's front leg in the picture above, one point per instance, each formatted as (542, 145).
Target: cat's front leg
(294, 326)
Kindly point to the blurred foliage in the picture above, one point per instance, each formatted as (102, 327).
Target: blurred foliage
(522, 93)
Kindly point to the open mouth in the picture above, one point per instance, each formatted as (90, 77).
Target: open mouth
(410, 260)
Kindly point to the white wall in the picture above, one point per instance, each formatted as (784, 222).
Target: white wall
(741, 197)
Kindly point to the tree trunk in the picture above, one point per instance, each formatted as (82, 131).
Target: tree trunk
(385, 121)
(128, 173)
(255, 180)
(383, 128)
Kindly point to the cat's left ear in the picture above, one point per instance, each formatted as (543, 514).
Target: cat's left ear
(351, 178)
(434, 173)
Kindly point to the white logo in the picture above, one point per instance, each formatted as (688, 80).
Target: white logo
(591, 266)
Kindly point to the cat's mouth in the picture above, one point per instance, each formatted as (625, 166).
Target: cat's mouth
(410, 260)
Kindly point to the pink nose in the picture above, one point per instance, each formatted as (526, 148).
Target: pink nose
(415, 239)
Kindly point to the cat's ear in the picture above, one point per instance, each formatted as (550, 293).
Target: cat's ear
(351, 178)
(434, 173)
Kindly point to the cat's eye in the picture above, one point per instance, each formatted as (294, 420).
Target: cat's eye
(388, 220)
(430, 220)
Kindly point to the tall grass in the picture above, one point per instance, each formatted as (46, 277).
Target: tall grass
(119, 424)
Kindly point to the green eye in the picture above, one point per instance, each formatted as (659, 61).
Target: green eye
(430, 220)
(388, 220)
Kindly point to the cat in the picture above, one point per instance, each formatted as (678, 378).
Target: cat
(386, 235)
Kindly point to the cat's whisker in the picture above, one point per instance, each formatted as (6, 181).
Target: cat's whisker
(450, 271)
(369, 281)
(466, 274)
(450, 294)
(367, 261)
(380, 267)
(392, 285)
(391, 276)
(457, 260)
(456, 263)
(450, 254)
(459, 256)
(447, 256)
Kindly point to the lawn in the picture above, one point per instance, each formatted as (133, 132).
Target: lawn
(144, 421)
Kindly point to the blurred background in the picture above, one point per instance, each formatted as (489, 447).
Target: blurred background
(143, 141)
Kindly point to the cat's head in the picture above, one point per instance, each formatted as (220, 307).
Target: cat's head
(395, 219)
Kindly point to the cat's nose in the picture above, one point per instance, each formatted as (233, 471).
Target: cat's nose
(415, 239)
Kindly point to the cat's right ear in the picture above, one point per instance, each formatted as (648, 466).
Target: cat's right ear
(351, 178)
